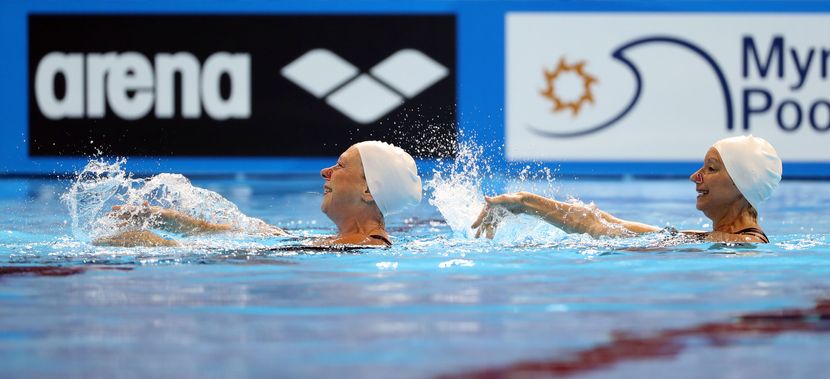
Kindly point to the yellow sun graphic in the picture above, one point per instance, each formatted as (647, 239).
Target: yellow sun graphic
(587, 81)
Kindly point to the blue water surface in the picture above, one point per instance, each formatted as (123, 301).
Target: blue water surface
(437, 303)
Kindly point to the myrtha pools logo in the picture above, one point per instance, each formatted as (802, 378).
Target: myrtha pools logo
(585, 81)
(753, 57)
(659, 86)
(655, 86)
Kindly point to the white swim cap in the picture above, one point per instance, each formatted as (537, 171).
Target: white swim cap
(753, 164)
(391, 175)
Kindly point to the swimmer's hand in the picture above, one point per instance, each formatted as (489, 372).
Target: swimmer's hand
(270, 231)
(495, 209)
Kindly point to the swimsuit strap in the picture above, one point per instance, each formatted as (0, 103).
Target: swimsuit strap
(755, 232)
(329, 248)
(382, 238)
(380, 234)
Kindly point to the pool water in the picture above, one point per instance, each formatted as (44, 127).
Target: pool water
(437, 304)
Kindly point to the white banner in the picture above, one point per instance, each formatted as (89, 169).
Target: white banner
(664, 87)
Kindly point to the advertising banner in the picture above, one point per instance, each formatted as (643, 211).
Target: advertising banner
(240, 85)
(664, 87)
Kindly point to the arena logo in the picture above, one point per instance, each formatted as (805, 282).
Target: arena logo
(131, 85)
(364, 98)
(235, 85)
(687, 78)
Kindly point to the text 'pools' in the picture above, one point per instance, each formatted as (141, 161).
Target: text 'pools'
(793, 66)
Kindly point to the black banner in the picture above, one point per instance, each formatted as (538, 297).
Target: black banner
(240, 85)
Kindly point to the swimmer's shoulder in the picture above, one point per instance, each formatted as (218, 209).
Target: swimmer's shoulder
(744, 236)
(738, 237)
(321, 249)
(755, 232)
(381, 240)
(378, 239)
(336, 244)
(749, 235)
(327, 247)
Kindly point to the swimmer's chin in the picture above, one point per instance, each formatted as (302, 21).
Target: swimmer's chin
(700, 202)
(324, 205)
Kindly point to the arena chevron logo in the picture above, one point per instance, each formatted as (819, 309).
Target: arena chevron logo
(364, 97)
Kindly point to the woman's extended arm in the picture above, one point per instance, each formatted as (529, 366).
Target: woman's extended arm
(166, 219)
(571, 218)
(134, 238)
(169, 220)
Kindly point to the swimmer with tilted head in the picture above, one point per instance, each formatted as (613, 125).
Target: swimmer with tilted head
(370, 180)
(738, 175)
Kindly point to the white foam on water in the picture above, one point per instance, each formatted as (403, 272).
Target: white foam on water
(387, 265)
(101, 185)
(456, 262)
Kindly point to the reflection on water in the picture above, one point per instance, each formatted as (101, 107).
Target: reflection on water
(667, 344)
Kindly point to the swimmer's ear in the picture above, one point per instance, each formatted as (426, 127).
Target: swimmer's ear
(367, 196)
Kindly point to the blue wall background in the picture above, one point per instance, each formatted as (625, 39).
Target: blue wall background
(480, 43)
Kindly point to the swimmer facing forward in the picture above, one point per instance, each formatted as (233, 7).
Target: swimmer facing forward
(738, 175)
(370, 180)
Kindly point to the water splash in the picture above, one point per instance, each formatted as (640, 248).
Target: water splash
(90, 194)
(458, 187)
(101, 185)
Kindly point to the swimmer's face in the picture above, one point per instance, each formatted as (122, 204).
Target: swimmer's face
(345, 189)
(715, 188)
